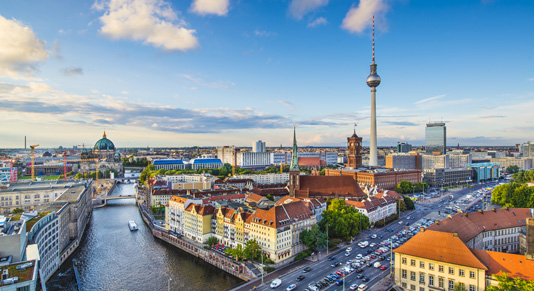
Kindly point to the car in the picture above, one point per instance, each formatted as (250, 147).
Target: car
(383, 267)
(339, 273)
(347, 254)
(388, 258)
(353, 287)
(333, 265)
(275, 283)
(373, 257)
(358, 256)
(362, 287)
(359, 270)
(300, 278)
(291, 287)
(348, 262)
(339, 282)
(349, 249)
(318, 285)
(359, 276)
(306, 270)
(365, 279)
(331, 258)
(381, 258)
(374, 236)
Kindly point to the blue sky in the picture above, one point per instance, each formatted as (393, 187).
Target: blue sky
(227, 72)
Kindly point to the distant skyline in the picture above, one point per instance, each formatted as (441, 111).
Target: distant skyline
(226, 72)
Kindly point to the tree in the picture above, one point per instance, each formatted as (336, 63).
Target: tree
(404, 187)
(212, 241)
(252, 250)
(409, 203)
(78, 176)
(401, 205)
(313, 238)
(512, 169)
(17, 211)
(505, 282)
(459, 287)
(270, 197)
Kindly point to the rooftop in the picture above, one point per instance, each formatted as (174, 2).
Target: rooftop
(71, 194)
(26, 274)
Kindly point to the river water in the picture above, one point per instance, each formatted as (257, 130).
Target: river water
(111, 257)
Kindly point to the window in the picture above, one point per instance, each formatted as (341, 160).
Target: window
(404, 274)
(461, 272)
(421, 288)
(25, 288)
(412, 276)
(421, 278)
(412, 287)
(422, 264)
(430, 280)
(451, 284)
(430, 266)
(472, 288)
(471, 274)
(404, 285)
(404, 261)
(462, 285)
(451, 270)
(441, 268)
(440, 282)
(412, 263)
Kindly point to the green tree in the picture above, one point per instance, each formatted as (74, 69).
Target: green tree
(404, 187)
(17, 211)
(505, 283)
(270, 197)
(212, 241)
(409, 203)
(401, 205)
(459, 287)
(512, 169)
(78, 176)
(252, 250)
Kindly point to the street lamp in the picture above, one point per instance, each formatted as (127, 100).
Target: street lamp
(327, 239)
(169, 284)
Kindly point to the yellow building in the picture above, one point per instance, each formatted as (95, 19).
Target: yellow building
(434, 260)
(197, 224)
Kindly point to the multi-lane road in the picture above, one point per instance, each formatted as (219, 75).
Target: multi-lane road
(322, 267)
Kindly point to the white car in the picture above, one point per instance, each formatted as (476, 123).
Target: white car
(353, 286)
(362, 287)
(358, 256)
(291, 287)
(373, 236)
(349, 249)
(275, 283)
(347, 254)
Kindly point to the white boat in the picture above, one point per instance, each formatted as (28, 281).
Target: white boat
(132, 225)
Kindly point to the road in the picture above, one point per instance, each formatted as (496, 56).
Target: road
(321, 268)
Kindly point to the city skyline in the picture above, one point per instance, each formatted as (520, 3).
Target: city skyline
(213, 73)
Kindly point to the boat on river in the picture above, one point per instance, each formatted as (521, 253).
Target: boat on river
(132, 225)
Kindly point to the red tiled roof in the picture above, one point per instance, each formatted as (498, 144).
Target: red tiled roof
(515, 265)
(440, 246)
(282, 215)
(253, 197)
(471, 224)
(329, 186)
(310, 161)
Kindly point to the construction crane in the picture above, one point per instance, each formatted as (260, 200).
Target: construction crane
(32, 147)
(79, 160)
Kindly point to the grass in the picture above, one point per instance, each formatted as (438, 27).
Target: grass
(53, 177)
(30, 223)
(24, 275)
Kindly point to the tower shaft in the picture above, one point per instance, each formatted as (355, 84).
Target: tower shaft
(373, 154)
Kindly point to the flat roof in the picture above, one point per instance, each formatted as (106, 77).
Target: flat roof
(71, 194)
(24, 275)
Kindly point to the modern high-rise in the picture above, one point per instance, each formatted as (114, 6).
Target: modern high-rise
(258, 146)
(403, 147)
(436, 138)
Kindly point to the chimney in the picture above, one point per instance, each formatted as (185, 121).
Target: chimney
(506, 208)
(437, 222)
(481, 211)
(454, 234)
(422, 229)
(494, 210)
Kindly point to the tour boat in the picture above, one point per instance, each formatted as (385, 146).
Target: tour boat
(132, 225)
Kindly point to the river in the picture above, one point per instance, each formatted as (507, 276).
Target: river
(111, 257)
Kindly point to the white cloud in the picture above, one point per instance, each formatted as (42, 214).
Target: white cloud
(20, 49)
(530, 79)
(299, 8)
(359, 17)
(318, 21)
(430, 99)
(217, 7)
(152, 21)
(289, 105)
(264, 33)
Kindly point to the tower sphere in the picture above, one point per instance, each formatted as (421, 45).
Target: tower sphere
(373, 80)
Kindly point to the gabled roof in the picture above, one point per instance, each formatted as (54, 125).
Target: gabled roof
(440, 246)
(178, 199)
(515, 265)
(468, 225)
(330, 186)
(253, 197)
(310, 161)
(282, 215)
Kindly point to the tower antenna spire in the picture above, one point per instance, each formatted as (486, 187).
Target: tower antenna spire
(373, 39)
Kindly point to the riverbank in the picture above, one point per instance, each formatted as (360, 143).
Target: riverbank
(237, 269)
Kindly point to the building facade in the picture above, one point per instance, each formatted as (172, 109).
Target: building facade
(485, 171)
(403, 147)
(524, 164)
(436, 138)
(258, 147)
(354, 151)
(448, 177)
(169, 164)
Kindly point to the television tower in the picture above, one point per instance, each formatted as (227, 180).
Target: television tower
(373, 81)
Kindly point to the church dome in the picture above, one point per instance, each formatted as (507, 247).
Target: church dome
(104, 144)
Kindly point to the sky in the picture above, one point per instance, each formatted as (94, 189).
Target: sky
(229, 72)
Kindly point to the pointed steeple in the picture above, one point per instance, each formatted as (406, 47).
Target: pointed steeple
(104, 134)
(295, 154)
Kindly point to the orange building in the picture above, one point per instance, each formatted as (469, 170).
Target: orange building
(386, 179)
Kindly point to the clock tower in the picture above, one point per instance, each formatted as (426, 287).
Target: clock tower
(354, 146)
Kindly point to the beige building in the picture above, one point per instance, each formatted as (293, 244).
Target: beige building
(434, 260)
(197, 222)
(523, 163)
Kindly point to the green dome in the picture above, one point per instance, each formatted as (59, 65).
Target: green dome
(104, 144)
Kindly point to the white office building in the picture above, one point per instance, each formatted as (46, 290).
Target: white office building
(258, 146)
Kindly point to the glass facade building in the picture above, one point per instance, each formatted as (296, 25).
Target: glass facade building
(436, 138)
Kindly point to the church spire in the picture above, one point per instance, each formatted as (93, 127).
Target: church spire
(294, 155)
